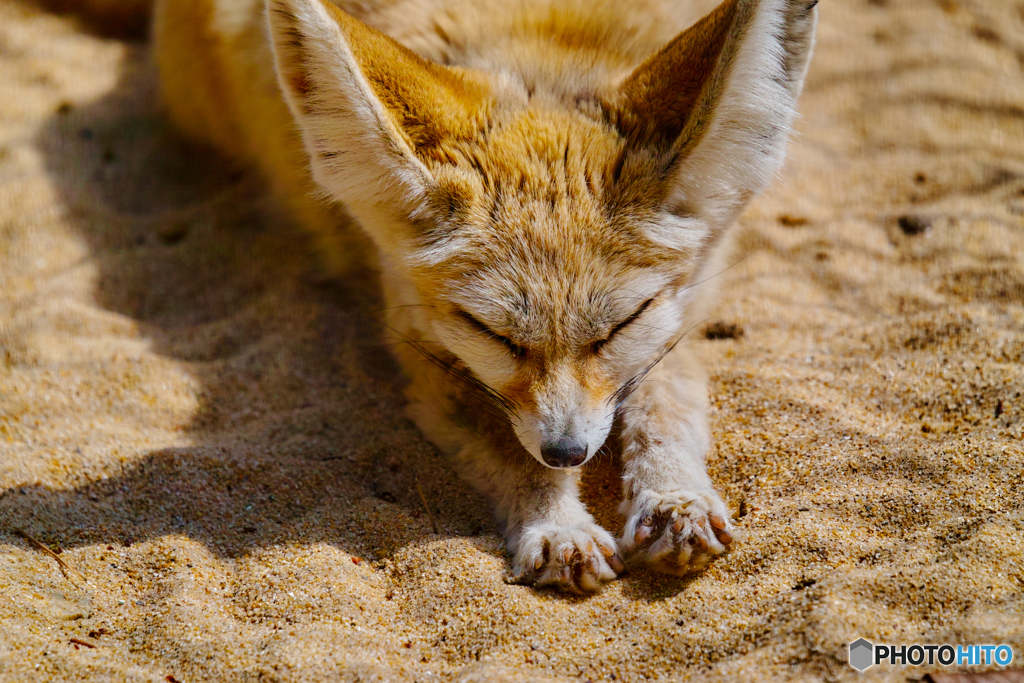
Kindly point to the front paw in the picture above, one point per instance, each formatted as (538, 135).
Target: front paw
(577, 558)
(677, 532)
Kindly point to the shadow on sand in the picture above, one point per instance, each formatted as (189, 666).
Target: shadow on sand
(299, 434)
(300, 414)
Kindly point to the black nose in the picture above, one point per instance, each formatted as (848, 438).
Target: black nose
(564, 453)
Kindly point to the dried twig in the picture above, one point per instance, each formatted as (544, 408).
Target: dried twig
(430, 515)
(76, 641)
(64, 566)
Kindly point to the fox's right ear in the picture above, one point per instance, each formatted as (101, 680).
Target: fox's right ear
(372, 113)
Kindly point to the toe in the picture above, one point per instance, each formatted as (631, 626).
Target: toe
(616, 564)
(580, 565)
(682, 538)
(644, 530)
(720, 527)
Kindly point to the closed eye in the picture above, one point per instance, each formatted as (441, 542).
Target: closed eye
(513, 348)
(598, 345)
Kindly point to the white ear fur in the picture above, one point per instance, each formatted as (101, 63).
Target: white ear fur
(357, 154)
(711, 112)
(745, 138)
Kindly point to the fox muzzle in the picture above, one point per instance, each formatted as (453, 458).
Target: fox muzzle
(566, 452)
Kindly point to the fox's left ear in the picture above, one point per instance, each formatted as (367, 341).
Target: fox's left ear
(711, 111)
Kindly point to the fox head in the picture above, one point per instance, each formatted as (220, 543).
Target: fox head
(551, 230)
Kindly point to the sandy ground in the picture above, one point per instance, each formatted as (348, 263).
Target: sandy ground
(212, 435)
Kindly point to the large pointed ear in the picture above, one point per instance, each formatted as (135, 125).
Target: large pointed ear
(709, 114)
(373, 114)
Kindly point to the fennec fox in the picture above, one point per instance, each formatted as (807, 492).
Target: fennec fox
(547, 183)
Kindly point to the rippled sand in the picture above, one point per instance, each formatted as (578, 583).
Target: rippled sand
(212, 434)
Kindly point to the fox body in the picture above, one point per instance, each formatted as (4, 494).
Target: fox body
(546, 182)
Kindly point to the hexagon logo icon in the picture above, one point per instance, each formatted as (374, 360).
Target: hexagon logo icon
(862, 654)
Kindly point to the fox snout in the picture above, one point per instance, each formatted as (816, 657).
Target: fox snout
(562, 443)
(566, 425)
(566, 452)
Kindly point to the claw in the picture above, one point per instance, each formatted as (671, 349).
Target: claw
(718, 524)
(588, 582)
(643, 531)
(568, 560)
(677, 525)
(613, 559)
(716, 521)
(686, 534)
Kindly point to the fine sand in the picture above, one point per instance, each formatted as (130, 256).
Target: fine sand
(211, 435)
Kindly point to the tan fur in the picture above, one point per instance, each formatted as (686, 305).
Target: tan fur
(545, 181)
